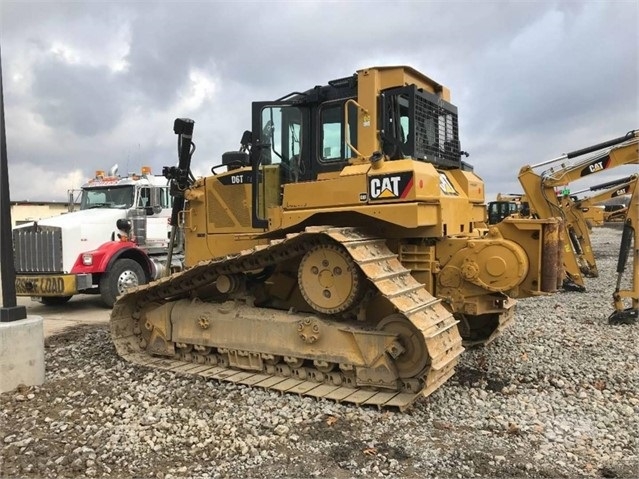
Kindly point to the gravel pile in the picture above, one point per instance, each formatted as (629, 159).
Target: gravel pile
(556, 396)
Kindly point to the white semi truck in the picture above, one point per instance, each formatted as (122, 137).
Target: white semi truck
(85, 252)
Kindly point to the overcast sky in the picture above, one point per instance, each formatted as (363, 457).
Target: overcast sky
(91, 84)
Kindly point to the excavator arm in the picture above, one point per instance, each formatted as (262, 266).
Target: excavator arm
(576, 220)
(539, 188)
(629, 242)
(613, 189)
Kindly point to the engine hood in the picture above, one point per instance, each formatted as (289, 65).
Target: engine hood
(81, 231)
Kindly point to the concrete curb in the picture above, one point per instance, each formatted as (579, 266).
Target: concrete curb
(21, 353)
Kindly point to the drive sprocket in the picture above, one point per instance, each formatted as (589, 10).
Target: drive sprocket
(329, 280)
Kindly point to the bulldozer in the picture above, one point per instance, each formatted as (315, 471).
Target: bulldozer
(341, 253)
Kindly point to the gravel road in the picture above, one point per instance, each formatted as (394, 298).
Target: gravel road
(556, 396)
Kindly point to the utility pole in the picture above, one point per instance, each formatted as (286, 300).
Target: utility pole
(9, 310)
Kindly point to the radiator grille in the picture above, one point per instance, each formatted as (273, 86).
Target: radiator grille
(231, 211)
(217, 214)
(38, 250)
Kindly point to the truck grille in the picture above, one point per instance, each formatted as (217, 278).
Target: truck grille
(37, 249)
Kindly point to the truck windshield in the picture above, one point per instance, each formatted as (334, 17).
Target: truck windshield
(107, 197)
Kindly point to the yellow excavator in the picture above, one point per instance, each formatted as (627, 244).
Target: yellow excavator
(341, 253)
(577, 222)
(624, 313)
(540, 189)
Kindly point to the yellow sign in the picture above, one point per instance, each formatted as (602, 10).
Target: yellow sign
(63, 285)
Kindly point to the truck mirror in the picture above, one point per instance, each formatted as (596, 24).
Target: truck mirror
(155, 202)
(71, 205)
(153, 210)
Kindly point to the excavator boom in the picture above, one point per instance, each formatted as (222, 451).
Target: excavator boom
(544, 202)
(576, 221)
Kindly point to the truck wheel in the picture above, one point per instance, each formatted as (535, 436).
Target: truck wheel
(54, 300)
(124, 274)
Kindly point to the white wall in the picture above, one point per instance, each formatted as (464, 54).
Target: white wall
(26, 211)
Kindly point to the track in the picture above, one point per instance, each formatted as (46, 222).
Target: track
(436, 328)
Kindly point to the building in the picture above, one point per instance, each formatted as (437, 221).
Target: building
(27, 211)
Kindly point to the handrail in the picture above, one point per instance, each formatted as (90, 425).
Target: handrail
(346, 130)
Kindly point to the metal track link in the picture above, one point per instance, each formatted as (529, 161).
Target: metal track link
(377, 262)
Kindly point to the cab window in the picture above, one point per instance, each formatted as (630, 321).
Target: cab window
(165, 198)
(281, 130)
(333, 145)
(144, 197)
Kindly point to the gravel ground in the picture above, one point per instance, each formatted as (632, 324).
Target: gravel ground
(556, 396)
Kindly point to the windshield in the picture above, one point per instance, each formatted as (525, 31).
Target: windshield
(107, 197)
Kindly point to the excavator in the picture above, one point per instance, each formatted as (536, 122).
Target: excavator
(624, 314)
(540, 189)
(578, 215)
(577, 223)
(341, 253)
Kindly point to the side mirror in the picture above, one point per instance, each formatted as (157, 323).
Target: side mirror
(155, 202)
(247, 138)
(153, 210)
(71, 205)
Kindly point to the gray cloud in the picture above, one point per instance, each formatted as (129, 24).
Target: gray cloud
(531, 79)
(87, 100)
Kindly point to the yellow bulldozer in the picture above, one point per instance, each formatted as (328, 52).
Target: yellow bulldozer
(341, 253)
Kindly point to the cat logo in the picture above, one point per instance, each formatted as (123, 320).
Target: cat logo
(595, 166)
(620, 192)
(390, 186)
(446, 186)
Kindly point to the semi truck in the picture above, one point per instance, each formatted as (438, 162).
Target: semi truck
(117, 239)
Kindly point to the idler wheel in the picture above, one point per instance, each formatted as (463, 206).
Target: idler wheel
(329, 279)
(415, 359)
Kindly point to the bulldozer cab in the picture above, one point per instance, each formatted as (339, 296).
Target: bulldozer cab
(307, 136)
(300, 138)
(275, 155)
